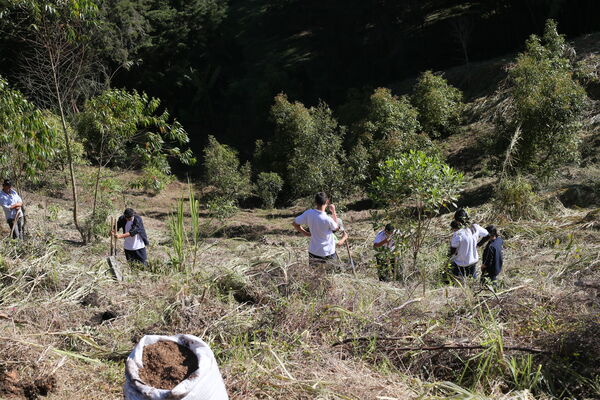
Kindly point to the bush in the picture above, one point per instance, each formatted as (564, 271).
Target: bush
(390, 129)
(223, 172)
(516, 199)
(268, 186)
(542, 129)
(307, 148)
(440, 104)
(153, 180)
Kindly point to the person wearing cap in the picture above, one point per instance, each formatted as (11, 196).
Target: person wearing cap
(464, 246)
(12, 204)
(134, 235)
(385, 245)
(321, 248)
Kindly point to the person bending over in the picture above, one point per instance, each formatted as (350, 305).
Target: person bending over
(134, 235)
(491, 263)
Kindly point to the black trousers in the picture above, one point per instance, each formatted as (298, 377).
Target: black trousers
(466, 271)
(139, 256)
(320, 260)
(16, 231)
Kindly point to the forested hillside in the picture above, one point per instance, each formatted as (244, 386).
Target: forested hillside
(164, 163)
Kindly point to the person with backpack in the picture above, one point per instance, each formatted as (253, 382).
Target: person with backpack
(321, 248)
(12, 204)
(464, 246)
(134, 235)
(492, 260)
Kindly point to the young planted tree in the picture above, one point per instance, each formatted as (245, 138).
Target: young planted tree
(57, 66)
(27, 142)
(440, 104)
(542, 123)
(124, 129)
(414, 187)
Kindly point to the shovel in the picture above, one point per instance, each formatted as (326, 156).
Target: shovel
(351, 260)
(112, 257)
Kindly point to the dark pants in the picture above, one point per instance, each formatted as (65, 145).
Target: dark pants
(137, 256)
(485, 276)
(314, 260)
(16, 230)
(387, 266)
(462, 272)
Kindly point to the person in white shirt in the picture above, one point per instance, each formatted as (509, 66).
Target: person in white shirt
(12, 204)
(321, 230)
(385, 245)
(464, 246)
(134, 235)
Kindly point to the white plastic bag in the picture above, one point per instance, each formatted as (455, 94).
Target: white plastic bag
(205, 383)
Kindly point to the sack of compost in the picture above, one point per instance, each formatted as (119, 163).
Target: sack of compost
(173, 367)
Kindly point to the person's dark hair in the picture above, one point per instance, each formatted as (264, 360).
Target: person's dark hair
(128, 213)
(461, 216)
(455, 225)
(389, 228)
(321, 199)
(7, 182)
(492, 230)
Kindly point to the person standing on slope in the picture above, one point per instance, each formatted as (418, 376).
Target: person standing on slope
(491, 262)
(134, 235)
(464, 246)
(321, 248)
(12, 203)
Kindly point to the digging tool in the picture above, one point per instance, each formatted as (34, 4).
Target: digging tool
(112, 257)
(351, 260)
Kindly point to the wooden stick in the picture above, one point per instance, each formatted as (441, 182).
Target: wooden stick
(350, 257)
(445, 346)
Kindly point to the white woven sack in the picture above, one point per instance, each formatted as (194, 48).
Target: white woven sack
(205, 383)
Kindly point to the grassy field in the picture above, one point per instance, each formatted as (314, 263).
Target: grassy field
(282, 330)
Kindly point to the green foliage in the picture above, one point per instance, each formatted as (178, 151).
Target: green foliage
(440, 104)
(268, 186)
(308, 144)
(390, 128)
(421, 180)
(547, 106)
(27, 142)
(153, 180)
(221, 208)
(125, 129)
(223, 172)
(59, 159)
(515, 198)
(178, 236)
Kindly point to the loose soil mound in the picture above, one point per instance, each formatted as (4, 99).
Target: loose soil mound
(166, 364)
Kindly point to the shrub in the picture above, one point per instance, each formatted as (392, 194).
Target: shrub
(390, 129)
(440, 104)
(223, 172)
(307, 148)
(421, 181)
(153, 180)
(268, 186)
(515, 198)
(547, 107)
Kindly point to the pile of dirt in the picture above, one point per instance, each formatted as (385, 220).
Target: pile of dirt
(166, 364)
(12, 384)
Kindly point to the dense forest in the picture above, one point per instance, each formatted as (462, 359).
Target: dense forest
(218, 64)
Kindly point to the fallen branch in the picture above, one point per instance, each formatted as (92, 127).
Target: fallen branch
(445, 346)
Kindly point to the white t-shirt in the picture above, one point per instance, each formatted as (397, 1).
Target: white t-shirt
(7, 200)
(465, 241)
(132, 242)
(381, 236)
(322, 240)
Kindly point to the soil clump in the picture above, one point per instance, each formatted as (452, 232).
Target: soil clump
(166, 364)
